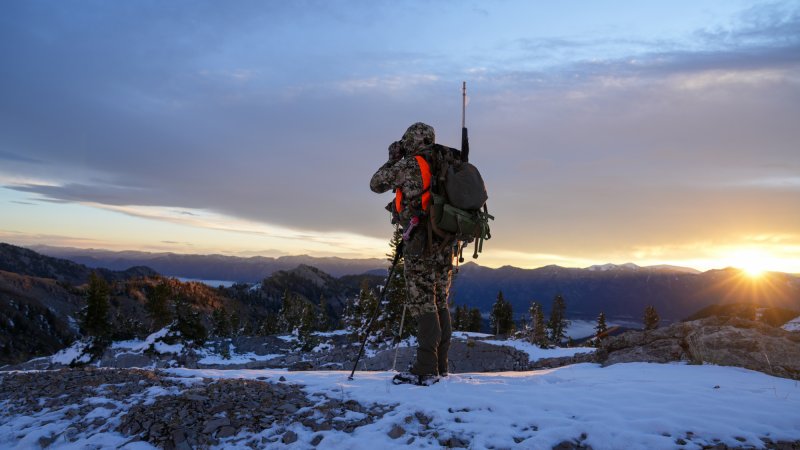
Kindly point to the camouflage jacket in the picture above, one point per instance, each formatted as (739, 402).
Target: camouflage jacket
(405, 175)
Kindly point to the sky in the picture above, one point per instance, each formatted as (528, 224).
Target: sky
(613, 131)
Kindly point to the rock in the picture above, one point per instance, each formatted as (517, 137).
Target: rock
(282, 378)
(288, 408)
(289, 437)
(226, 432)
(455, 442)
(716, 340)
(215, 423)
(317, 439)
(45, 441)
(396, 432)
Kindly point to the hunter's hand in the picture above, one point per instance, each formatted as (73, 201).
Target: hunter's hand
(395, 152)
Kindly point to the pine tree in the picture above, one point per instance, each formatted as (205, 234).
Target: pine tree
(601, 328)
(95, 320)
(557, 325)
(305, 334)
(387, 326)
(475, 320)
(323, 323)
(538, 327)
(269, 325)
(455, 319)
(220, 323)
(236, 324)
(291, 312)
(188, 322)
(157, 305)
(359, 312)
(651, 318)
(502, 316)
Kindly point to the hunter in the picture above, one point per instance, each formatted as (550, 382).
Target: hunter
(428, 260)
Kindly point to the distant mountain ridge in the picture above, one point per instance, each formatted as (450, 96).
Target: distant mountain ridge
(211, 267)
(623, 291)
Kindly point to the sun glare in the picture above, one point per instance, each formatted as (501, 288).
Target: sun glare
(753, 262)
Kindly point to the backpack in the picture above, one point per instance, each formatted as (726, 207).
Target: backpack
(457, 209)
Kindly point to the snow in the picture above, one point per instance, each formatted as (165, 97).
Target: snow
(535, 353)
(470, 334)
(632, 406)
(235, 358)
(72, 354)
(155, 340)
(254, 288)
(792, 325)
(341, 332)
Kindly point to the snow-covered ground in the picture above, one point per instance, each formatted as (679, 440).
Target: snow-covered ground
(632, 406)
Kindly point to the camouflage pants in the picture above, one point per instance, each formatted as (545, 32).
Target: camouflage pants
(428, 284)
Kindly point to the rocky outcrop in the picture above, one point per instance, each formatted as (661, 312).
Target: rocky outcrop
(722, 341)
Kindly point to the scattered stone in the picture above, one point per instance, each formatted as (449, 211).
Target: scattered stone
(317, 439)
(213, 424)
(226, 432)
(289, 437)
(282, 378)
(396, 432)
(680, 441)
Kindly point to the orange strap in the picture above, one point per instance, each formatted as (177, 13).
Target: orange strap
(425, 171)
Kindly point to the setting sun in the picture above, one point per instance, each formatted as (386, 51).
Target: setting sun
(754, 262)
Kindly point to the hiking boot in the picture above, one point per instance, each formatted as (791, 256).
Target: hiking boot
(411, 378)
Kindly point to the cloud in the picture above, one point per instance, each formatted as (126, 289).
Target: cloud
(609, 144)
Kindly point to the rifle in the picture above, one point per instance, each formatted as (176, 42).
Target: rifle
(464, 136)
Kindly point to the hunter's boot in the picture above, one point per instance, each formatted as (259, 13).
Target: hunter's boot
(429, 334)
(444, 342)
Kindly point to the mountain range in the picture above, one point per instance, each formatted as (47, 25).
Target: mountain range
(210, 267)
(621, 291)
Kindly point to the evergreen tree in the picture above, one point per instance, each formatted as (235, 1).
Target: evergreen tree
(157, 305)
(323, 323)
(650, 318)
(305, 334)
(502, 316)
(236, 324)
(359, 312)
(387, 326)
(221, 326)
(188, 322)
(538, 327)
(269, 325)
(95, 319)
(557, 325)
(291, 312)
(475, 320)
(601, 328)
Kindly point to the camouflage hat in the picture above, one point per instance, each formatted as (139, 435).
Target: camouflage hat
(417, 136)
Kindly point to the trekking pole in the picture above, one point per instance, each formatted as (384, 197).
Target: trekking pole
(400, 337)
(464, 134)
(397, 255)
